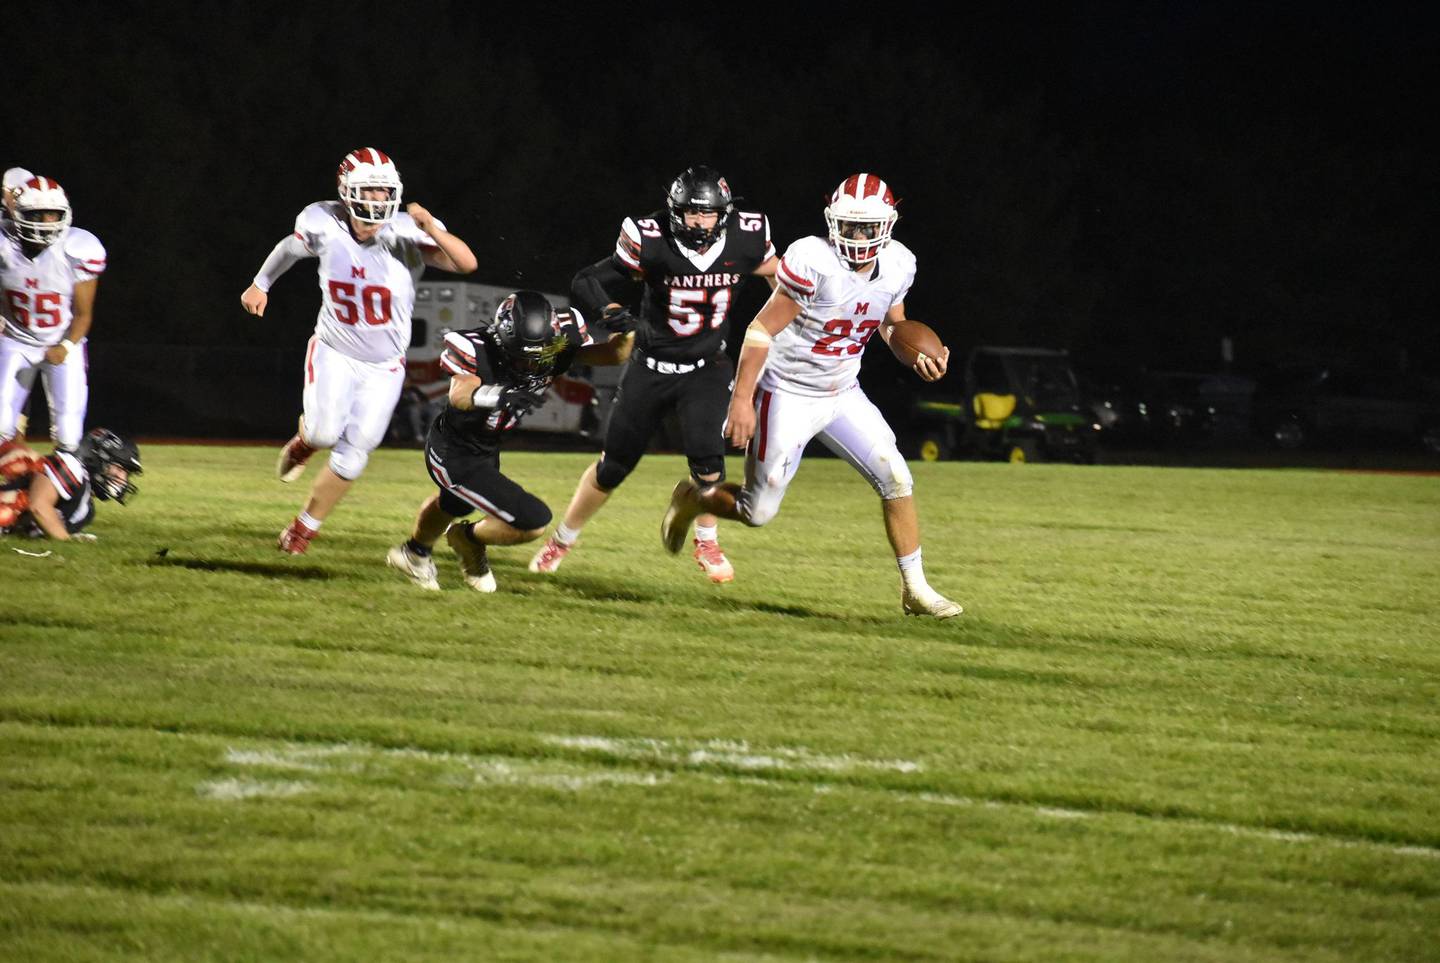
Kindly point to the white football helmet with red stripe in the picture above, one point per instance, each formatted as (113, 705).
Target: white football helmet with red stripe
(861, 217)
(366, 168)
(42, 211)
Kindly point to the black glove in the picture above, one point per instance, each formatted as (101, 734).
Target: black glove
(618, 320)
(518, 400)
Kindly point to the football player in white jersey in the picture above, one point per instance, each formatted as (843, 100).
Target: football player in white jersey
(371, 256)
(802, 351)
(49, 272)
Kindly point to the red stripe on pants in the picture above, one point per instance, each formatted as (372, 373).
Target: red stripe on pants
(764, 423)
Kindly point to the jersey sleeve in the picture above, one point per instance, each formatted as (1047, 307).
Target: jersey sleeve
(907, 266)
(572, 319)
(312, 226)
(462, 354)
(753, 224)
(86, 254)
(628, 245)
(65, 473)
(406, 227)
(797, 273)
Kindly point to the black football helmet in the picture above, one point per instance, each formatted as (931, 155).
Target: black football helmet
(99, 450)
(699, 188)
(528, 333)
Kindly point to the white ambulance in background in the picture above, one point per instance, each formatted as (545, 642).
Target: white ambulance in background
(577, 403)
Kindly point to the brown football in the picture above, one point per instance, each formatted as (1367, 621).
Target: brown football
(911, 339)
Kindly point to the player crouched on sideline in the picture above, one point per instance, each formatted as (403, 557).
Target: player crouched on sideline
(803, 352)
(50, 495)
(498, 373)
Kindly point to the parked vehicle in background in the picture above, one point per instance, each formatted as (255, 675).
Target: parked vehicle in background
(1016, 404)
(1136, 407)
(1298, 406)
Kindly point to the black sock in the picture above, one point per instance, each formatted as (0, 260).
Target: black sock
(417, 549)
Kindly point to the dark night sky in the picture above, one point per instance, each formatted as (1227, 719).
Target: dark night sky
(1132, 180)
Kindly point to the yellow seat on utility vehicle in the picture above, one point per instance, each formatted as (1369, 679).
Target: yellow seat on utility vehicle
(992, 410)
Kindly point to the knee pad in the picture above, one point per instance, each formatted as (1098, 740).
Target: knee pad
(893, 478)
(347, 461)
(609, 474)
(533, 514)
(756, 510)
(709, 465)
(320, 434)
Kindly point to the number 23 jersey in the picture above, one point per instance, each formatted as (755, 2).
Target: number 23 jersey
(367, 291)
(819, 352)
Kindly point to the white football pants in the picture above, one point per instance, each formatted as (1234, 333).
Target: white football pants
(848, 424)
(348, 404)
(67, 389)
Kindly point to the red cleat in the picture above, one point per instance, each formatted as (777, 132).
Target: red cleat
(295, 539)
(713, 561)
(292, 459)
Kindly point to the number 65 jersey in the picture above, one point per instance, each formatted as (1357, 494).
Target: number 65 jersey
(819, 352)
(39, 294)
(367, 291)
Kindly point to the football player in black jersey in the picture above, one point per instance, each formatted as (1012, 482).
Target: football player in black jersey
(686, 262)
(53, 496)
(498, 373)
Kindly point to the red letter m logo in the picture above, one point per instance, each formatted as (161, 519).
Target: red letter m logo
(357, 272)
(863, 307)
(32, 283)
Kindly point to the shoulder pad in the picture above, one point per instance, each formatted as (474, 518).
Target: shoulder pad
(805, 262)
(85, 250)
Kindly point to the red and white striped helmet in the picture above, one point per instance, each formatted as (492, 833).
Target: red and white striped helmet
(37, 204)
(861, 217)
(366, 168)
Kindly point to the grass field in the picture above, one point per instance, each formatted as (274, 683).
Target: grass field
(1188, 715)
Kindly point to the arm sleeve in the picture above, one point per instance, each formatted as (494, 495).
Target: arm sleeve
(281, 259)
(601, 283)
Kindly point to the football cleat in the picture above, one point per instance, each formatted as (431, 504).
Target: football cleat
(474, 561)
(713, 562)
(419, 570)
(551, 554)
(682, 511)
(292, 459)
(927, 601)
(295, 539)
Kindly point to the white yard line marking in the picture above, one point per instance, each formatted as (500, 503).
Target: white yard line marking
(232, 789)
(558, 774)
(720, 752)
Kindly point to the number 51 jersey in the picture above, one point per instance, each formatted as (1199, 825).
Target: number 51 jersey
(367, 291)
(819, 352)
(687, 293)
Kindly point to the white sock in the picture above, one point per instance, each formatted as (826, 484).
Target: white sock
(309, 521)
(566, 535)
(912, 573)
(710, 534)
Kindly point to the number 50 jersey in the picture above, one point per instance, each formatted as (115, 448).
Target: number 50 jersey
(367, 291)
(687, 293)
(819, 352)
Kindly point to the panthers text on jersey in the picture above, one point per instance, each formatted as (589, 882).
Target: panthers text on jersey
(475, 352)
(687, 294)
(39, 294)
(819, 352)
(367, 291)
